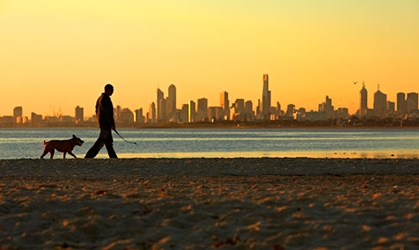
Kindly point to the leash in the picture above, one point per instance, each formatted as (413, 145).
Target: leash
(130, 142)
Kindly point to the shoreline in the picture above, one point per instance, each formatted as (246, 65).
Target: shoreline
(189, 203)
(210, 126)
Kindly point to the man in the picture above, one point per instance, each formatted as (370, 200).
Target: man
(104, 114)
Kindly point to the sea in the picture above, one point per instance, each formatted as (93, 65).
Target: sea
(26, 143)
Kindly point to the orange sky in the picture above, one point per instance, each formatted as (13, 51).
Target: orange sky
(56, 55)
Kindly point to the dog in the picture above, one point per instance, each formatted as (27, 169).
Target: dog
(65, 146)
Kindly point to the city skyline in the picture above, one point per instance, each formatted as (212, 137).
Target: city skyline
(57, 54)
(165, 109)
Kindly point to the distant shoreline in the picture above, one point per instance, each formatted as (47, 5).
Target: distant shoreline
(216, 126)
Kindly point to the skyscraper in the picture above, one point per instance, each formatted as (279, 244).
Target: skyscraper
(17, 114)
(171, 101)
(401, 103)
(202, 109)
(162, 111)
(290, 110)
(139, 117)
(160, 97)
(225, 105)
(266, 99)
(380, 103)
(412, 102)
(390, 107)
(191, 111)
(151, 117)
(327, 108)
(79, 114)
(117, 113)
(239, 106)
(363, 107)
(248, 105)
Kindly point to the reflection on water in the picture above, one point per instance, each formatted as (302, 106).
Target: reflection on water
(224, 143)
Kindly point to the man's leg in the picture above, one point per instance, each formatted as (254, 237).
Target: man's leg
(94, 150)
(111, 151)
(109, 146)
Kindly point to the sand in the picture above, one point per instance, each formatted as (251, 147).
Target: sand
(240, 203)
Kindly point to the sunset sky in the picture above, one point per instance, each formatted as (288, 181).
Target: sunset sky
(57, 54)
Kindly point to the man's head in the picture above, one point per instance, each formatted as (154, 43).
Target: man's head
(108, 89)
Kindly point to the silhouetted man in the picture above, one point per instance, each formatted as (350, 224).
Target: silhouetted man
(104, 114)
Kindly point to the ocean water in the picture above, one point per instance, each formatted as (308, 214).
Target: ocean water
(18, 143)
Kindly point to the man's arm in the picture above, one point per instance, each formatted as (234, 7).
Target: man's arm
(109, 113)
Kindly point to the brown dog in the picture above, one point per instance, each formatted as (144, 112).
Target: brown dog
(65, 146)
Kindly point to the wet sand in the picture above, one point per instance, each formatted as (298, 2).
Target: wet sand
(201, 203)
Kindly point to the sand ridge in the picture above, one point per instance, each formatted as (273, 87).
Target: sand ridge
(201, 203)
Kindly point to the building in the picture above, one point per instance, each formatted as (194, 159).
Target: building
(7, 121)
(159, 102)
(191, 111)
(412, 102)
(66, 119)
(225, 105)
(138, 116)
(127, 116)
(151, 115)
(265, 105)
(342, 113)
(250, 115)
(363, 101)
(171, 102)
(79, 117)
(215, 114)
(278, 111)
(183, 113)
(327, 108)
(380, 104)
(162, 111)
(390, 107)
(401, 103)
(202, 109)
(36, 119)
(239, 110)
(290, 111)
(17, 115)
(117, 113)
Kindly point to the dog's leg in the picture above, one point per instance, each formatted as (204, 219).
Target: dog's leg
(43, 154)
(71, 153)
(64, 155)
(52, 153)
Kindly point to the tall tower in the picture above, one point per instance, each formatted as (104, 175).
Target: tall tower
(159, 102)
(151, 115)
(117, 113)
(380, 103)
(202, 109)
(401, 103)
(171, 101)
(191, 111)
(79, 114)
(225, 105)
(412, 102)
(266, 98)
(363, 107)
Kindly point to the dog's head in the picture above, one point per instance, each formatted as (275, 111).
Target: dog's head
(77, 141)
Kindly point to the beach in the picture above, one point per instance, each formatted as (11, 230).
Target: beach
(209, 203)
